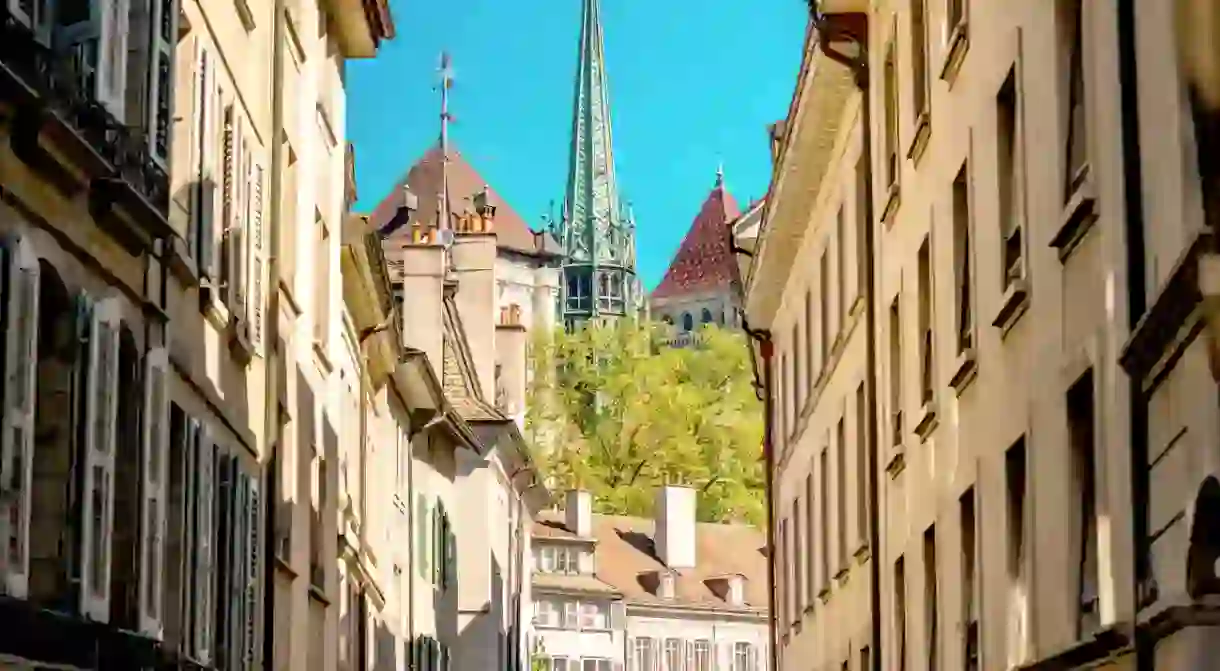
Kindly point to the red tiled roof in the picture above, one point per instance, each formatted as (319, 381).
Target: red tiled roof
(704, 262)
(424, 178)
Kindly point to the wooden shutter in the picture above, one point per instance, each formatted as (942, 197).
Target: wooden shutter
(226, 537)
(228, 199)
(421, 534)
(164, 28)
(254, 540)
(209, 128)
(99, 400)
(155, 489)
(205, 549)
(101, 37)
(19, 277)
(257, 256)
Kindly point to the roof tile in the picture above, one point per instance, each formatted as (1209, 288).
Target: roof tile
(704, 262)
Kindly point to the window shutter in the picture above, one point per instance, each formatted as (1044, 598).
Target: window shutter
(257, 256)
(155, 490)
(438, 552)
(209, 129)
(98, 397)
(253, 568)
(228, 199)
(571, 615)
(618, 616)
(421, 536)
(164, 29)
(204, 545)
(19, 277)
(101, 36)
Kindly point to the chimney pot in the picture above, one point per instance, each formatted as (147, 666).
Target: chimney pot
(674, 526)
(578, 513)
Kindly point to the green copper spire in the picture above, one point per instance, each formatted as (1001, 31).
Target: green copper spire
(596, 230)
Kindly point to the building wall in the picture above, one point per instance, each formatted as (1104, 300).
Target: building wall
(819, 372)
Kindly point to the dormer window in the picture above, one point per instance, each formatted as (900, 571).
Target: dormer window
(558, 559)
(665, 585)
(730, 588)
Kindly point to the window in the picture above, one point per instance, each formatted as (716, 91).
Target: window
(793, 391)
(896, 427)
(890, 157)
(824, 308)
(927, 350)
(1084, 508)
(745, 657)
(931, 600)
(970, 609)
(785, 585)
(785, 397)
(1010, 157)
(962, 253)
(588, 664)
(234, 214)
(317, 467)
(546, 613)
(813, 579)
(798, 391)
(645, 654)
(900, 613)
(919, 58)
(841, 268)
(321, 275)
(863, 467)
(800, 548)
(702, 656)
(688, 322)
(706, 317)
(841, 490)
(866, 659)
(593, 616)
(571, 615)
(1077, 153)
(674, 657)
(201, 236)
(810, 372)
(824, 522)
(1017, 597)
(579, 288)
(288, 241)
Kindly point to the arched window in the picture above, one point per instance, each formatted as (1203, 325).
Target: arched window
(707, 316)
(688, 322)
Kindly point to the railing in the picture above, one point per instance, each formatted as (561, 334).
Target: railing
(62, 82)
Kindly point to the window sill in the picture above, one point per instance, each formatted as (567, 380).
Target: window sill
(928, 420)
(1079, 215)
(287, 291)
(923, 133)
(897, 463)
(1015, 304)
(211, 307)
(824, 594)
(959, 44)
(180, 263)
(239, 341)
(966, 370)
(246, 16)
(319, 594)
(893, 197)
(862, 553)
(323, 359)
(844, 573)
(283, 566)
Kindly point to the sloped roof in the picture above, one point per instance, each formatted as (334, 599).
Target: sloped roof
(625, 554)
(459, 377)
(424, 178)
(704, 262)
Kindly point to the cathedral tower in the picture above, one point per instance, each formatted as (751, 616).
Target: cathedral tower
(596, 230)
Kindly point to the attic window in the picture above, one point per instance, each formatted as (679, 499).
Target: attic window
(730, 588)
(665, 585)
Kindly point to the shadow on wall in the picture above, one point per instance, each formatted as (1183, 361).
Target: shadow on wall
(385, 649)
(484, 643)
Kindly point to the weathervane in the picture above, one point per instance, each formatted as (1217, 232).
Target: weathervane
(446, 83)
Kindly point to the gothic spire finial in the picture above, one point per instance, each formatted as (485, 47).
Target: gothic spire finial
(720, 175)
(446, 75)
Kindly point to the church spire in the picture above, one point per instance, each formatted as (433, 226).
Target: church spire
(597, 234)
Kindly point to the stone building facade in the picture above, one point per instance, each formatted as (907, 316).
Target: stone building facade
(1007, 252)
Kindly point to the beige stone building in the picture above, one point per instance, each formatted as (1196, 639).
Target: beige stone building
(977, 288)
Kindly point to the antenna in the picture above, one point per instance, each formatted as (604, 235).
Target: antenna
(446, 74)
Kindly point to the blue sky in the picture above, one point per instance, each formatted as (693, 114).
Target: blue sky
(692, 83)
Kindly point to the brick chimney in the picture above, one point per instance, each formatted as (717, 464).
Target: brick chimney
(674, 533)
(578, 513)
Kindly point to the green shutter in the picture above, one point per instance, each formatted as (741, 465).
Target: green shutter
(421, 538)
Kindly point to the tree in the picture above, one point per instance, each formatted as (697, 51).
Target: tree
(615, 411)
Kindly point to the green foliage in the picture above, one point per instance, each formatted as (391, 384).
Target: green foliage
(614, 410)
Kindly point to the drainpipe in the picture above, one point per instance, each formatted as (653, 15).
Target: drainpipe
(854, 27)
(1143, 587)
(766, 350)
(271, 331)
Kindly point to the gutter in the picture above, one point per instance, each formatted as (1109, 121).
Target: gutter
(271, 338)
(1143, 589)
(855, 28)
(767, 349)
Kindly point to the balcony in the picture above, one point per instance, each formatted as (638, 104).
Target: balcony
(63, 129)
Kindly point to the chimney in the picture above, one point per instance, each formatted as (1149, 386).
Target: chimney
(418, 266)
(511, 363)
(674, 531)
(578, 513)
(474, 264)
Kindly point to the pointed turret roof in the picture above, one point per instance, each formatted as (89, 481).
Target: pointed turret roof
(704, 262)
(426, 179)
